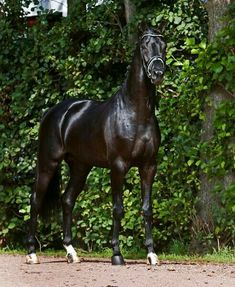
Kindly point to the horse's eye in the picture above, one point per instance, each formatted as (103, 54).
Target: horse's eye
(144, 47)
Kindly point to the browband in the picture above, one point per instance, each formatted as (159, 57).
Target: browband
(151, 35)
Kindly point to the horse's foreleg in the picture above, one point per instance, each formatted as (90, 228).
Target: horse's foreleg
(75, 186)
(147, 174)
(117, 177)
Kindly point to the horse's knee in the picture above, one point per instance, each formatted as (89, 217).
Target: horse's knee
(118, 212)
(147, 212)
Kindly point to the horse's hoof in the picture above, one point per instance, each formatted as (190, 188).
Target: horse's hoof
(152, 259)
(32, 259)
(117, 260)
(72, 258)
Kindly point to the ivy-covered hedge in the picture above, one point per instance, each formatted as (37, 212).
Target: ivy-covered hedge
(86, 56)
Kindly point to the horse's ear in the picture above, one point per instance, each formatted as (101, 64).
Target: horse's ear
(162, 27)
(142, 27)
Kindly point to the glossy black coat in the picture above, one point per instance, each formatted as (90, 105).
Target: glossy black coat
(117, 134)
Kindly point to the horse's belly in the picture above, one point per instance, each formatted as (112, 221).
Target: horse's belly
(87, 147)
(93, 155)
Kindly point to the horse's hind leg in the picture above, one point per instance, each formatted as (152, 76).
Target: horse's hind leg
(78, 175)
(45, 173)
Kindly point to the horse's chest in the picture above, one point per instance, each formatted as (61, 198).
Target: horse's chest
(136, 142)
(145, 143)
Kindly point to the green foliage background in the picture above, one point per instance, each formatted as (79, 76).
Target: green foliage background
(86, 56)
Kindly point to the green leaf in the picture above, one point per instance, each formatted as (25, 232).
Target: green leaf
(11, 225)
(22, 210)
(190, 41)
(177, 20)
(203, 44)
(198, 162)
(195, 51)
(190, 162)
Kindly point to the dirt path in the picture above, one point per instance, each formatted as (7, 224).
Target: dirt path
(55, 272)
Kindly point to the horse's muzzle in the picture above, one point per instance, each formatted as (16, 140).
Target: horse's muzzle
(157, 77)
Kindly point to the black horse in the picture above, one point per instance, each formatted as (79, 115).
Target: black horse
(117, 134)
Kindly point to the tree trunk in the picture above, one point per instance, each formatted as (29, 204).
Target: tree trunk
(207, 199)
(76, 8)
(216, 10)
(130, 10)
(70, 4)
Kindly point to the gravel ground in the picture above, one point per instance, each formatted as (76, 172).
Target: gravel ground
(56, 272)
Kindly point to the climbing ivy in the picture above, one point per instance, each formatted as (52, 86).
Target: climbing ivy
(214, 67)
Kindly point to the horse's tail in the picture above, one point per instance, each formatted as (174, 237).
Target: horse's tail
(51, 201)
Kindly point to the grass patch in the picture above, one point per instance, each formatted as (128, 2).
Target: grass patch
(225, 255)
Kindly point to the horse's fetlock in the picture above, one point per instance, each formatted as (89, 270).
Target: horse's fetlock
(31, 240)
(67, 241)
(149, 244)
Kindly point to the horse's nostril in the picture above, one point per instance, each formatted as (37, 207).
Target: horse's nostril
(158, 73)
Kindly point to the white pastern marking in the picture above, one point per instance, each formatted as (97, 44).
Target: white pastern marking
(32, 258)
(152, 259)
(71, 254)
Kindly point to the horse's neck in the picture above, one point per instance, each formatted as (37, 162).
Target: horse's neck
(138, 91)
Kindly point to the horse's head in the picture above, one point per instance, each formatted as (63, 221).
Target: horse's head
(153, 52)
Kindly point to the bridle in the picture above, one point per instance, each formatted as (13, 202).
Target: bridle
(149, 64)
